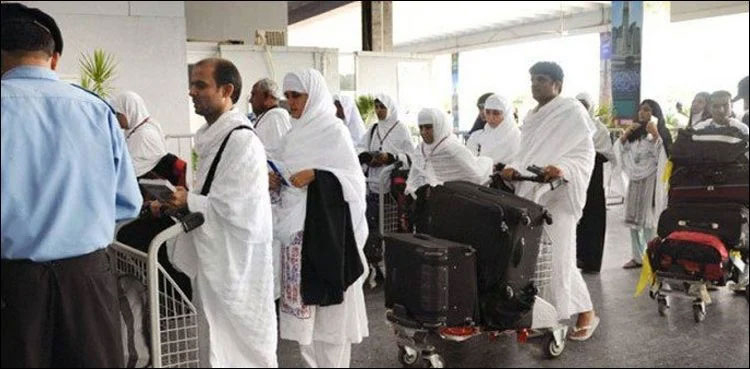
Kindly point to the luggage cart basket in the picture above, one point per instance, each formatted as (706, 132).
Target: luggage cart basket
(172, 317)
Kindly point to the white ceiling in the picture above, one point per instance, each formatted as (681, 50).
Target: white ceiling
(417, 22)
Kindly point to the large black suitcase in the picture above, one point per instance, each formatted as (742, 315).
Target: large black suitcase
(728, 221)
(710, 146)
(709, 183)
(431, 281)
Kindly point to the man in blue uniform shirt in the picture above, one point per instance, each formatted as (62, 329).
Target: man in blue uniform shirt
(66, 179)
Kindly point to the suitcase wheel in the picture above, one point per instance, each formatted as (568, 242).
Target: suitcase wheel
(699, 311)
(663, 304)
(410, 357)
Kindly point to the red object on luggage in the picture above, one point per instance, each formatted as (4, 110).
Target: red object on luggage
(694, 254)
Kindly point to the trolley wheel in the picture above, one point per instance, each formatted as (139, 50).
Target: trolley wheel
(551, 349)
(663, 305)
(411, 358)
(699, 313)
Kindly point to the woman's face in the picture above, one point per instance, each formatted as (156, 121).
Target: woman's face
(644, 113)
(297, 102)
(494, 117)
(122, 120)
(381, 110)
(427, 133)
(699, 104)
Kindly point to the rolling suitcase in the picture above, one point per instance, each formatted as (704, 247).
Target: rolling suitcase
(431, 281)
(728, 221)
(709, 183)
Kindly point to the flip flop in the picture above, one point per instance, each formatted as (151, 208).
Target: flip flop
(631, 265)
(589, 330)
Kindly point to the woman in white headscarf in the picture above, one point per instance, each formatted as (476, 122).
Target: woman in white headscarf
(387, 142)
(142, 133)
(347, 111)
(500, 138)
(441, 157)
(322, 227)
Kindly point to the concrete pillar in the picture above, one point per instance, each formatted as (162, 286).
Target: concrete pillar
(377, 26)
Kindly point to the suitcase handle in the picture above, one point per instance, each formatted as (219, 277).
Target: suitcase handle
(702, 225)
(422, 236)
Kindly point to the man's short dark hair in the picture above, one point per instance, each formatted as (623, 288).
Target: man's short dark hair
(26, 36)
(27, 29)
(550, 69)
(721, 93)
(225, 73)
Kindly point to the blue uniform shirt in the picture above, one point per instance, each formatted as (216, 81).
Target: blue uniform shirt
(66, 173)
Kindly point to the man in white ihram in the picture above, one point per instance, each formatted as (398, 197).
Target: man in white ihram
(229, 256)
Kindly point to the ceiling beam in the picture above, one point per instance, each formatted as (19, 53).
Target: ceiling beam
(581, 23)
(298, 11)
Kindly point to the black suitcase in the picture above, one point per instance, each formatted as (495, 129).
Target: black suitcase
(728, 221)
(709, 183)
(710, 146)
(431, 281)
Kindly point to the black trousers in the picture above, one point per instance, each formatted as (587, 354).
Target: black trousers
(62, 313)
(592, 227)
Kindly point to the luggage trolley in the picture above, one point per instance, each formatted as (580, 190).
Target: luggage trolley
(411, 337)
(669, 284)
(172, 317)
(414, 351)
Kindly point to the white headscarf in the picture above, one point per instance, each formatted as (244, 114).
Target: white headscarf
(144, 136)
(445, 159)
(392, 116)
(351, 117)
(500, 143)
(131, 105)
(602, 141)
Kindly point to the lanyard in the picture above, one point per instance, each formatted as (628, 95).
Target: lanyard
(136, 127)
(386, 136)
(431, 152)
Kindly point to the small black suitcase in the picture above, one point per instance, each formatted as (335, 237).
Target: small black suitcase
(728, 221)
(431, 281)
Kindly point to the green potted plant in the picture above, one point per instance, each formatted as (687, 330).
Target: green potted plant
(97, 72)
(366, 107)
